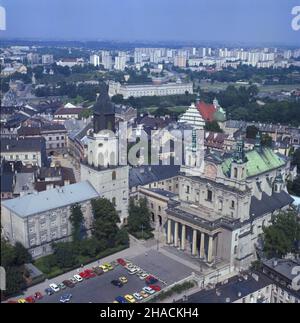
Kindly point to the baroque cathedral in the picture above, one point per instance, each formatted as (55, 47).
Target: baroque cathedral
(213, 207)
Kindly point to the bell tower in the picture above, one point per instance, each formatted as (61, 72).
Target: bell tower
(239, 162)
(101, 167)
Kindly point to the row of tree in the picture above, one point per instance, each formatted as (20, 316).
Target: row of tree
(13, 259)
(106, 234)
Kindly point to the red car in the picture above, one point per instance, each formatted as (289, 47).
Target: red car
(30, 299)
(38, 295)
(155, 287)
(150, 280)
(88, 273)
(121, 261)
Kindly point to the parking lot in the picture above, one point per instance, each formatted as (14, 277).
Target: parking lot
(100, 290)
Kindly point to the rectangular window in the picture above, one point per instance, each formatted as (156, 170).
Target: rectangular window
(232, 204)
(209, 195)
(187, 189)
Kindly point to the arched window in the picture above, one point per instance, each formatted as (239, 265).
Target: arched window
(235, 250)
(113, 175)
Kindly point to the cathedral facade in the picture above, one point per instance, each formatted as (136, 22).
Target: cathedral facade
(221, 203)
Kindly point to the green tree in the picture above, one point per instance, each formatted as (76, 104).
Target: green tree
(213, 126)
(283, 235)
(251, 132)
(15, 281)
(139, 216)
(65, 254)
(76, 219)
(106, 219)
(266, 140)
(22, 255)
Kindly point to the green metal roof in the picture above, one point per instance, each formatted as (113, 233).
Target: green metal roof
(258, 161)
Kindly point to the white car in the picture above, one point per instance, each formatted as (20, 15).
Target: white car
(78, 278)
(132, 271)
(54, 287)
(149, 290)
(137, 296)
(143, 275)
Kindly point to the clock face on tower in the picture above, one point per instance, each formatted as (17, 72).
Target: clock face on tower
(210, 171)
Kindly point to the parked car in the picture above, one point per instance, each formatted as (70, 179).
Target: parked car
(132, 271)
(62, 286)
(121, 261)
(129, 298)
(103, 268)
(98, 271)
(21, 300)
(123, 280)
(155, 287)
(117, 283)
(38, 295)
(68, 283)
(54, 287)
(65, 298)
(73, 280)
(149, 290)
(143, 275)
(49, 291)
(30, 299)
(150, 280)
(143, 294)
(138, 296)
(121, 299)
(89, 273)
(78, 278)
(108, 266)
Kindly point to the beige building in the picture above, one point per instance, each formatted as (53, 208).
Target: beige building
(39, 219)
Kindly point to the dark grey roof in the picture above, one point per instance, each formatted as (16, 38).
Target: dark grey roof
(7, 180)
(22, 144)
(53, 127)
(236, 288)
(269, 204)
(144, 175)
(162, 192)
(282, 266)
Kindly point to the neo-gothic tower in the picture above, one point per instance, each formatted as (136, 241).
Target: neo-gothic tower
(101, 166)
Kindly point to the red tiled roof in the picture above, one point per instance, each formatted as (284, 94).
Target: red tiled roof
(207, 111)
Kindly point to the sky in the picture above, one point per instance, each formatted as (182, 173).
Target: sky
(247, 21)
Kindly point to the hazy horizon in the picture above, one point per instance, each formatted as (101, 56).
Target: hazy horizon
(215, 21)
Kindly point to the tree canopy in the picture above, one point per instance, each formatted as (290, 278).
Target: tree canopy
(283, 235)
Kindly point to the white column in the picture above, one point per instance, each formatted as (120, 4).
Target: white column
(183, 235)
(202, 249)
(210, 249)
(194, 245)
(176, 234)
(169, 232)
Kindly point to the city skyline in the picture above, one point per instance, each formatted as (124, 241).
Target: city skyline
(132, 20)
